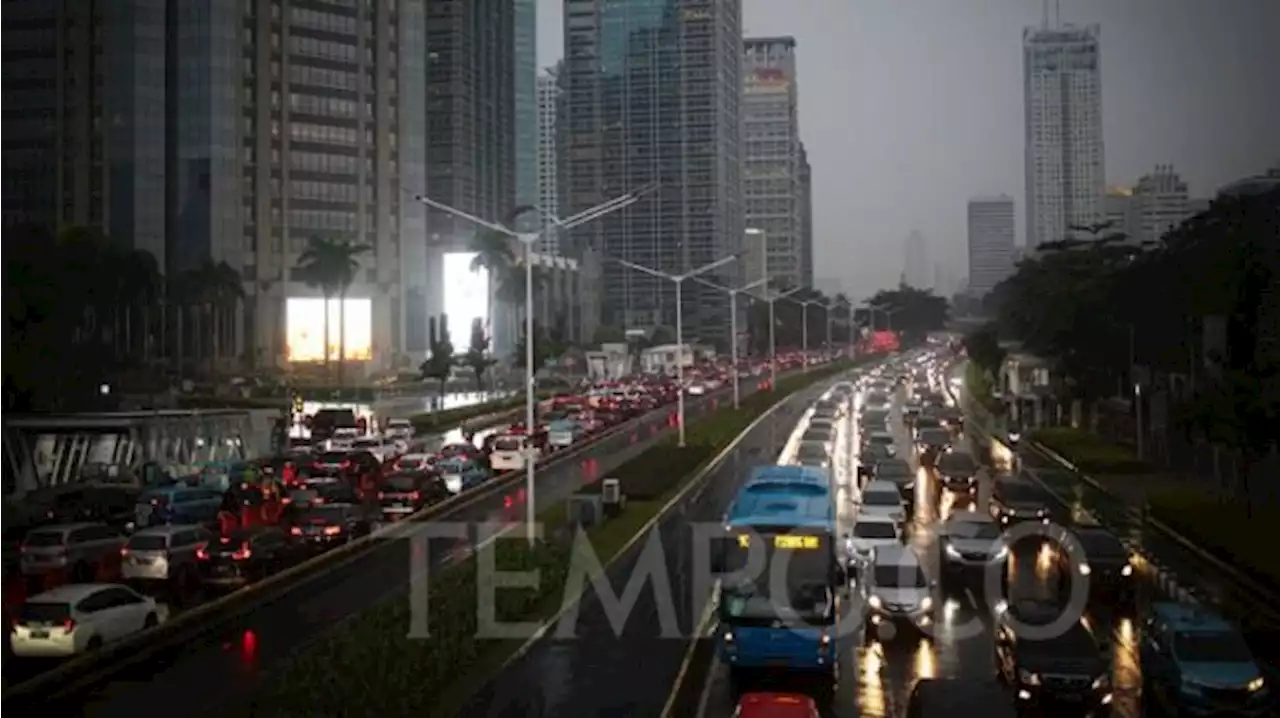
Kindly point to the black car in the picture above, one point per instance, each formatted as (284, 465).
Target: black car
(813, 453)
(1094, 553)
(958, 471)
(331, 524)
(923, 421)
(409, 492)
(330, 463)
(1014, 501)
(950, 697)
(899, 472)
(817, 433)
(1050, 667)
(243, 556)
(112, 505)
(951, 419)
(933, 443)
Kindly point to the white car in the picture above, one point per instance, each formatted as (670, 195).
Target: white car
(342, 439)
(971, 540)
(376, 445)
(896, 589)
(697, 389)
(81, 617)
(414, 462)
(882, 498)
(398, 429)
(871, 532)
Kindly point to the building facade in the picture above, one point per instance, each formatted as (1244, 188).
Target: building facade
(548, 158)
(650, 100)
(917, 267)
(991, 242)
(526, 107)
(774, 167)
(806, 219)
(1064, 159)
(1118, 211)
(1160, 203)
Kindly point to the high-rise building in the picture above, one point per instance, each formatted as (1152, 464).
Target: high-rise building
(806, 219)
(233, 132)
(1062, 99)
(84, 137)
(1119, 211)
(526, 108)
(651, 99)
(991, 242)
(917, 269)
(471, 123)
(1160, 203)
(772, 170)
(548, 157)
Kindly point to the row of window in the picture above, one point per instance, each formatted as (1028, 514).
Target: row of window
(326, 191)
(320, 77)
(308, 132)
(316, 105)
(328, 163)
(327, 22)
(311, 47)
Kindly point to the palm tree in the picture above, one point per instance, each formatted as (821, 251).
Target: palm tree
(496, 253)
(330, 266)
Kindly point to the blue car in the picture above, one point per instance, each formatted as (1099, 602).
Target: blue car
(1196, 663)
(461, 473)
(177, 505)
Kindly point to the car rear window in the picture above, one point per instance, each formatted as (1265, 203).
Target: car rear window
(42, 612)
(507, 443)
(332, 457)
(43, 538)
(324, 514)
(144, 542)
(399, 483)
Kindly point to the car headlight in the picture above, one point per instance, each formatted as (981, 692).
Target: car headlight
(952, 552)
(875, 602)
(926, 603)
(1102, 681)
(1127, 570)
(728, 636)
(1085, 570)
(1257, 684)
(1002, 552)
(1029, 678)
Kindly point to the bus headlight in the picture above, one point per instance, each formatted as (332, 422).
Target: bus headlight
(728, 636)
(825, 640)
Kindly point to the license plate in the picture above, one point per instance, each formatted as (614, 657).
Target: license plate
(39, 634)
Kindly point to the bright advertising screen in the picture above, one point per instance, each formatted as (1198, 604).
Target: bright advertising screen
(304, 328)
(466, 296)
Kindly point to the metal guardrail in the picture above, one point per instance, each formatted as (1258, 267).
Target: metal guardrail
(1254, 604)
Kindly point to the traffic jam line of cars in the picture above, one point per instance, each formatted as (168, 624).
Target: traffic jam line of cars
(112, 561)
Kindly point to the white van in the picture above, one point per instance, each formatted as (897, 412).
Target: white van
(509, 452)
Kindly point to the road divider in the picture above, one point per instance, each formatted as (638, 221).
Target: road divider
(201, 620)
(507, 409)
(430, 655)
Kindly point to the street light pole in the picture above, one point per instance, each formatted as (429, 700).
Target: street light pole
(679, 279)
(773, 342)
(733, 325)
(528, 239)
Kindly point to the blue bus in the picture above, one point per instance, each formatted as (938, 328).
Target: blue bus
(789, 621)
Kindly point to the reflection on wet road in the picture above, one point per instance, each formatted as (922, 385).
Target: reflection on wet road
(877, 676)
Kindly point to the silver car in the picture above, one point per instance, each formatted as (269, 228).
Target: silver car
(79, 549)
(161, 553)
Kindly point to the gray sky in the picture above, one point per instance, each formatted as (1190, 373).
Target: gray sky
(909, 107)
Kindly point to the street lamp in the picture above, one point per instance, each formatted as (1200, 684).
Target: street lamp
(888, 313)
(733, 324)
(679, 280)
(528, 239)
(835, 303)
(773, 341)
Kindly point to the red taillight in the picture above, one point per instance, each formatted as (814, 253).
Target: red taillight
(286, 500)
(243, 554)
(295, 531)
(202, 554)
(124, 552)
(317, 500)
(332, 530)
(69, 625)
(381, 496)
(415, 495)
(346, 464)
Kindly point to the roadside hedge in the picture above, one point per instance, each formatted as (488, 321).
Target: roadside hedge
(1090, 453)
(436, 421)
(370, 666)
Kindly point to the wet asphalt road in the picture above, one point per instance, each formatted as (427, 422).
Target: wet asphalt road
(206, 677)
(586, 667)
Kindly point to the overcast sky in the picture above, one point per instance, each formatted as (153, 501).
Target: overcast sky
(909, 107)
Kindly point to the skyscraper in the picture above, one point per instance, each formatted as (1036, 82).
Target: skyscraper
(991, 242)
(548, 157)
(651, 92)
(1064, 160)
(526, 109)
(1160, 203)
(806, 218)
(775, 166)
(917, 269)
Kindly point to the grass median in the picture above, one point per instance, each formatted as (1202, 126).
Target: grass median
(369, 665)
(1090, 453)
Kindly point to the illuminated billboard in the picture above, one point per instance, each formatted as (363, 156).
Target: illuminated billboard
(466, 296)
(304, 328)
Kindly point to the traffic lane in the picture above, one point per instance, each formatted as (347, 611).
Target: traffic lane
(275, 630)
(586, 667)
(407, 406)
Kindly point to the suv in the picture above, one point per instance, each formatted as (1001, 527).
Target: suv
(958, 472)
(1099, 556)
(1048, 668)
(896, 589)
(1195, 661)
(1014, 501)
(162, 553)
(80, 549)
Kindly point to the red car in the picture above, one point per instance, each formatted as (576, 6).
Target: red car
(776, 705)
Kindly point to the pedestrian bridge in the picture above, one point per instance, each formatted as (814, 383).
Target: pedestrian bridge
(47, 451)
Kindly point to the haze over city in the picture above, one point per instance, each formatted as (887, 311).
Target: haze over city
(910, 107)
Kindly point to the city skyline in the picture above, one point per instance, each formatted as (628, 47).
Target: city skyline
(1184, 83)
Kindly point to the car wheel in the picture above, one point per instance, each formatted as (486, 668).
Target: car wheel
(151, 621)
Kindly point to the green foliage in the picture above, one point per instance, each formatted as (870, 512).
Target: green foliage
(910, 310)
(439, 365)
(477, 357)
(1090, 453)
(330, 265)
(370, 662)
(547, 345)
(983, 348)
(606, 334)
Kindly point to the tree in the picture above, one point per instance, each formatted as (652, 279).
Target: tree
(543, 348)
(662, 335)
(911, 311)
(477, 356)
(331, 266)
(439, 364)
(607, 334)
(983, 348)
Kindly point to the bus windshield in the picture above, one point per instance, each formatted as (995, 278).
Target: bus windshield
(800, 588)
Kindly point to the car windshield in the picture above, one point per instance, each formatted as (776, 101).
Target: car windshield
(974, 529)
(399, 483)
(410, 464)
(957, 462)
(807, 573)
(881, 498)
(881, 439)
(876, 398)
(367, 444)
(927, 422)
(893, 468)
(908, 576)
(43, 538)
(332, 457)
(874, 417)
(1211, 647)
(1102, 544)
(812, 449)
(41, 612)
(935, 437)
(508, 443)
(875, 530)
(148, 542)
